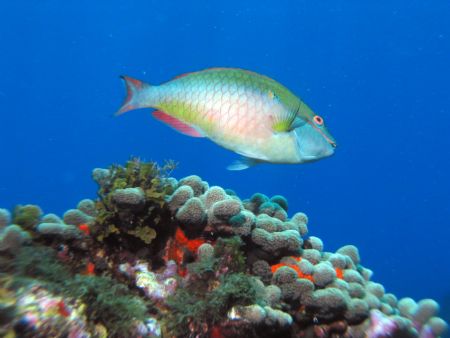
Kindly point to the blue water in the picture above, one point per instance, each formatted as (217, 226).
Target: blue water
(377, 71)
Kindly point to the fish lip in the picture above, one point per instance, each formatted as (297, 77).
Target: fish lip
(312, 158)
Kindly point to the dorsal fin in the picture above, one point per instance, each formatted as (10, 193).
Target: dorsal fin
(176, 124)
(182, 75)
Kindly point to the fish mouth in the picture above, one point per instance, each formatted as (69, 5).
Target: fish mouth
(332, 142)
(313, 145)
(327, 136)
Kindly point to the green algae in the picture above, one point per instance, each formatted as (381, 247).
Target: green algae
(197, 307)
(207, 298)
(146, 234)
(109, 303)
(229, 250)
(227, 254)
(115, 221)
(41, 263)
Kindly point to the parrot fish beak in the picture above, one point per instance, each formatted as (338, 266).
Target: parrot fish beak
(313, 145)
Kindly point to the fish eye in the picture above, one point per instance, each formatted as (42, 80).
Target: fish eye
(318, 120)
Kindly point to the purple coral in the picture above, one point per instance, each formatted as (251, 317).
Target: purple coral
(381, 325)
(156, 286)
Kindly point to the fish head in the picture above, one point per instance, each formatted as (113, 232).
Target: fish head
(313, 140)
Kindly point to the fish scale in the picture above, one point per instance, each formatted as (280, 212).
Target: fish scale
(246, 112)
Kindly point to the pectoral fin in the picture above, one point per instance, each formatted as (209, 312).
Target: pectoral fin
(288, 125)
(243, 163)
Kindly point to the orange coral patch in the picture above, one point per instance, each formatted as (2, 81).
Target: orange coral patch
(275, 267)
(180, 237)
(178, 247)
(62, 309)
(296, 268)
(182, 271)
(300, 274)
(308, 277)
(85, 229)
(90, 269)
(216, 332)
(175, 252)
(190, 244)
(339, 273)
(193, 244)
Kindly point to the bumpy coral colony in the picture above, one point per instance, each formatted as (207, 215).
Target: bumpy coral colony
(158, 257)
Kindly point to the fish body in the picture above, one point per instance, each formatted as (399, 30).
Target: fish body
(248, 113)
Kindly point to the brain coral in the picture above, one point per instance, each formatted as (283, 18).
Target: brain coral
(357, 311)
(301, 221)
(324, 274)
(425, 309)
(192, 214)
(281, 201)
(132, 198)
(51, 218)
(77, 217)
(327, 303)
(242, 223)
(213, 195)
(223, 210)
(88, 207)
(180, 196)
(67, 231)
(350, 251)
(27, 216)
(12, 237)
(316, 243)
(277, 243)
(196, 183)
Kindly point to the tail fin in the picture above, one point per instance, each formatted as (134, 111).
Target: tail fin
(134, 99)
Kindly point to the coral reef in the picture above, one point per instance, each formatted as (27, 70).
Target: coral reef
(153, 256)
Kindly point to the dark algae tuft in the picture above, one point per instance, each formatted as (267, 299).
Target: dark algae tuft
(109, 303)
(40, 263)
(205, 306)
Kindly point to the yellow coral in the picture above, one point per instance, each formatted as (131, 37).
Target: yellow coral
(146, 234)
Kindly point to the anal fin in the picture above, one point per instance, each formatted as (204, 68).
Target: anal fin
(176, 124)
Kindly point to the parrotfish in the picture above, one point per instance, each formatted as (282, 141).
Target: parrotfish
(245, 112)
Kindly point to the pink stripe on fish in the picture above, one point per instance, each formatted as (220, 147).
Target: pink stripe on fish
(176, 124)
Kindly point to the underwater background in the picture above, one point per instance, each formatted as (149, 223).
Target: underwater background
(377, 71)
